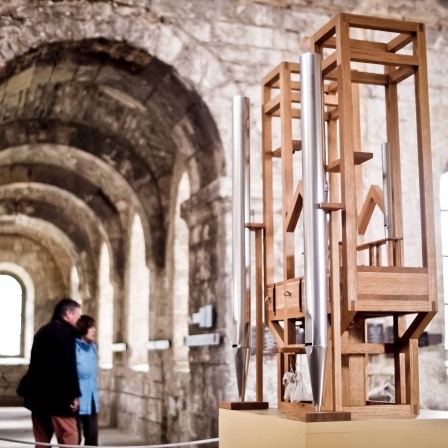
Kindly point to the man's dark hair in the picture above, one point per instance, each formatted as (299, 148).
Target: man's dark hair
(84, 323)
(63, 306)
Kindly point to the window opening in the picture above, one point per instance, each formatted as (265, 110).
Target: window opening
(11, 309)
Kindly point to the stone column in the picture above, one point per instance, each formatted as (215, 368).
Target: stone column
(208, 216)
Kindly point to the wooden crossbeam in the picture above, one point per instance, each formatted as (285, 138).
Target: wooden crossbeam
(400, 42)
(400, 74)
(358, 77)
(295, 208)
(354, 348)
(359, 158)
(296, 146)
(373, 23)
(373, 198)
(384, 58)
(272, 106)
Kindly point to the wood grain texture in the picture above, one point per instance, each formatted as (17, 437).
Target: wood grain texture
(243, 405)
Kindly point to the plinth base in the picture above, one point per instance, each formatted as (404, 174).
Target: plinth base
(244, 405)
(271, 429)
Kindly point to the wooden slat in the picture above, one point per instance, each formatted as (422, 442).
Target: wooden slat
(259, 312)
(399, 326)
(293, 67)
(327, 31)
(295, 85)
(295, 348)
(417, 326)
(330, 206)
(359, 157)
(335, 290)
(272, 106)
(296, 146)
(368, 349)
(400, 74)
(399, 304)
(358, 44)
(373, 198)
(385, 410)
(425, 164)
(329, 100)
(277, 331)
(254, 225)
(381, 24)
(296, 113)
(294, 208)
(243, 405)
(287, 166)
(346, 145)
(358, 77)
(412, 377)
(272, 77)
(268, 216)
(357, 365)
(329, 64)
(391, 269)
(384, 58)
(399, 42)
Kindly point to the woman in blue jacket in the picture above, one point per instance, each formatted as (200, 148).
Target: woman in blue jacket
(87, 364)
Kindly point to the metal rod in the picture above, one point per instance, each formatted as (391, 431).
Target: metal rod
(314, 222)
(389, 229)
(241, 240)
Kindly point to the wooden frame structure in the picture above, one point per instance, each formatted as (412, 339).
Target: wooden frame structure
(356, 292)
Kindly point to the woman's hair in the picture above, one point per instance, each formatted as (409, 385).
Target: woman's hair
(84, 323)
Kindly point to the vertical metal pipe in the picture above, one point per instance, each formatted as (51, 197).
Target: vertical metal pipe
(314, 222)
(389, 230)
(241, 239)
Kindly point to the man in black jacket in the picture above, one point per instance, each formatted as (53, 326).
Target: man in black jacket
(53, 377)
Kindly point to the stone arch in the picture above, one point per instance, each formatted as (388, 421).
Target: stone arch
(48, 236)
(44, 201)
(59, 92)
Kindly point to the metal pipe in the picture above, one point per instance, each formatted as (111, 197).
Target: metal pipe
(314, 222)
(241, 240)
(389, 229)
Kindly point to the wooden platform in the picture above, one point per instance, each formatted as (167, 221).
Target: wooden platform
(271, 429)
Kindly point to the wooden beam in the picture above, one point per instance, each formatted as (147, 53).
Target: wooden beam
(287, 166)
(294, 208)
(399, 42)
(329, 64)
(358, 77)
(272, 77)
(373, 198)
(381, 24)
(400, 74)
(359, 158)
(384, 58)
(272, 106)
(327, 31)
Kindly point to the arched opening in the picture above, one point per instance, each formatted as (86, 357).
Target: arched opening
(11, 316)
(116, 123)
(74, 285)
(138, 299)
(105, 310)
(180, 280)
(444, 227)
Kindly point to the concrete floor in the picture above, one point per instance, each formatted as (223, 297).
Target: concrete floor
(15, 423)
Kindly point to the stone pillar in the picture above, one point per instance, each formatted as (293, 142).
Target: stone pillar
(208, 216)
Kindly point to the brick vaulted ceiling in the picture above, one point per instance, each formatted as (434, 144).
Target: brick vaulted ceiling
(95, 126)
